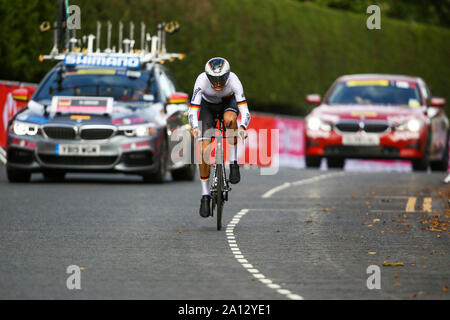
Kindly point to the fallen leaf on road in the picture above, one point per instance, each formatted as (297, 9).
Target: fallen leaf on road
(375, 220)
(412, 295)
(371, 252)
(392, 264)
(445, 288)
(397, 284)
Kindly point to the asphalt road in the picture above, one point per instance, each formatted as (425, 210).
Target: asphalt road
(300, 234)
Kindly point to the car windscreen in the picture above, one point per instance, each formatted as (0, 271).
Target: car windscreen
(122, 85)
(376, 92)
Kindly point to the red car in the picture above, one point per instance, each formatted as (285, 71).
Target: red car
(380, 117)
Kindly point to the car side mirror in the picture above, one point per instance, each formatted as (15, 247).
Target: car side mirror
(178, 98)
(437, 102)
(313, 99)
(20, 94)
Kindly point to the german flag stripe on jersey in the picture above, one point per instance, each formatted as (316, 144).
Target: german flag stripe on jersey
(242, 104)
(195, 107)
(204, 178)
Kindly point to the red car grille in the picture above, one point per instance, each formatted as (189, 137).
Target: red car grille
(374, 127)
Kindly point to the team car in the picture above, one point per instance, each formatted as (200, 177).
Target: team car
(377, 116)
(102, 112)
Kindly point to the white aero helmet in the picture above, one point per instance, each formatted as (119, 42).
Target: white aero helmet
(217, 70)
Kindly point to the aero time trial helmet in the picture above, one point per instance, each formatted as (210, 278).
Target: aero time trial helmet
(217, 70)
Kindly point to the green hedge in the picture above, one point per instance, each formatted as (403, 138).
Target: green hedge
(281, 49)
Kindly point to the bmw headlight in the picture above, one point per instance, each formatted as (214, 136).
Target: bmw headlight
(415, 125)
(412, 125)
(317, 124)
(141, 130)
(24, 128)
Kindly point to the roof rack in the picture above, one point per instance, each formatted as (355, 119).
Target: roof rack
(81, 51)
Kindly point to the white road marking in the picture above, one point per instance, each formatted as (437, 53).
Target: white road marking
(286, 185)
(276, 189)
(426, 207)
(256, 274)
(232, 242)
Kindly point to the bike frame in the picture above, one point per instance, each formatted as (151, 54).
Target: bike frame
(219, 186)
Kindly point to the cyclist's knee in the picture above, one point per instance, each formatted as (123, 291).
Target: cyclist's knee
(230, 119)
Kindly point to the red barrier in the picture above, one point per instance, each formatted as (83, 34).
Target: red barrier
(9, 107)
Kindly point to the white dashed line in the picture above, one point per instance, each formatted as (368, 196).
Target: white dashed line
(232, 242)
(248, 266)
(286, 185)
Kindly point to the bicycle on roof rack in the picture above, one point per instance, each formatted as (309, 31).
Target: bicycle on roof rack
(67, 46)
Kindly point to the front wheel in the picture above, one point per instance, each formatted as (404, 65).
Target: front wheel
(220, 200)
(159, 174)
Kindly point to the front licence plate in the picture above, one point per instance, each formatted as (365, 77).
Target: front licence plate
(361, 140)
(77, 150)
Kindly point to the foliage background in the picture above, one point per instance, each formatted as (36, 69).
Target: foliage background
(281, 49)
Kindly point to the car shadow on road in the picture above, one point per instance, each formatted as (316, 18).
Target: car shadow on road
(80, 178)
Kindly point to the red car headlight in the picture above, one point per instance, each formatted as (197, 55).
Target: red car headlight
(315, 123)
(413, 125)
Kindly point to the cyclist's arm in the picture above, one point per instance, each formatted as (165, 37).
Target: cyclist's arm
(193, 116)
(245, 114)
(238, 90)
(195, 104)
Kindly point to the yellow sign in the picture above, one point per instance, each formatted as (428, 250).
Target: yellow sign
(95, 71)
(364, 114)
(80, 116)
(359, 83)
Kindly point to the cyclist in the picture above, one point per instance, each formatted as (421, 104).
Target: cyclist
(217, 91)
